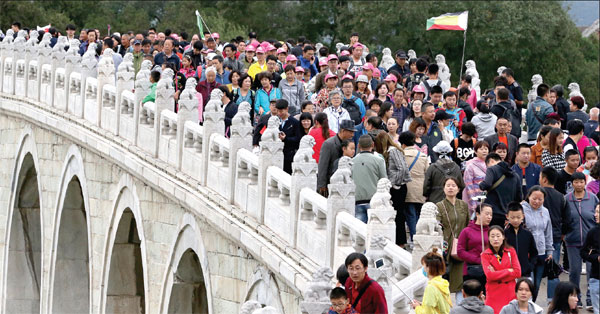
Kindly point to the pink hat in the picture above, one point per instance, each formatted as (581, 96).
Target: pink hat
(347, 76)
(391, 78)
(323, 62)
(376, 73)
(300, 69)
(345, 53)
(332, 57)
(265, 45)
(368, 66)
(271, 47)
(215, 35)
(418, 89)
(260, 50)
(329, 75)
(281, 50)
(290, 58)
(357, 45)
(250, 48)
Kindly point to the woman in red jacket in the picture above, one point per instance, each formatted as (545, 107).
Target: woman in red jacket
(501, 267)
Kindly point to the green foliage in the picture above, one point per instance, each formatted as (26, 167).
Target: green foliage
(528, 36)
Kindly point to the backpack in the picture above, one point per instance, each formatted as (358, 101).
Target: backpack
(515, 119)
(353, 109)
(416, 79)
(428, 88)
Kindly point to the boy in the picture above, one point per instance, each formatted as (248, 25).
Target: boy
(564, 183)
(463, 147)
(520, 238)
(154, 77)
(459, 116)
(339, 302)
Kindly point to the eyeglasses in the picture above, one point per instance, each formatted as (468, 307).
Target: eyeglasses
(338, 305)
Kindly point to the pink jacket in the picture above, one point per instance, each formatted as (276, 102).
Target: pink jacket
(469, 244)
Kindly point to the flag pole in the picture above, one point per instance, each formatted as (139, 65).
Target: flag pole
(462, 61)
(208, 29)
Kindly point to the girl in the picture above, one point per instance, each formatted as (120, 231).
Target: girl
(565, 299)
(306, 122)
(453, 215)
(501, 268)
(522, 305)
(472, 242)
(537, 221)
(187, 68)
(474, 174)
(415, 112)
(320, 132)
(418, 127)
(436, 298)
(554, 156)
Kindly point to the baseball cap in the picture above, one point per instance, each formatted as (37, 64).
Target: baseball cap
(211, 55)
(332, 57)
(215, 35)
(260, 50)
(391, 78)
(300, 69)
(347, 76)
(347, 125)
(290, 58)
(281, 50)
(322, 62)
(137, 42)
(357, 45)
(362, 78)
(329, 75)
(345, 53)
(401, 54)
(271, 47)
(250, 48)
(376, 73)
(418, 89)
(442, 115)
(368, 66)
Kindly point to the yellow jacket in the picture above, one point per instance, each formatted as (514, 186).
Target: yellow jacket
(436, 298)
(255, 68)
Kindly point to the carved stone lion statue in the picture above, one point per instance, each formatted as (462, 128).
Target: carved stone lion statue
(73, 47)
(376, 251)
(215, 103)
(537, 79)
(574, 90)
(46, 40)
(242, 117)
(382, 197)
(305, 152)
(189, 92)
(33, 38)
(343, 174)
(61, 43)
(249, 307)
(411, 54)
(428, 224)
(387, 61)
(500, 70)
(9, 36)
(91, 52)
(320, 286)
(271, 134)
(338, 47)
(444, 70)
(166, 79)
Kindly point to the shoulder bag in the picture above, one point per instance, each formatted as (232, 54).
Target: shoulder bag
(454, 251)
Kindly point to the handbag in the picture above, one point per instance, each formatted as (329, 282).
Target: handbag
(475, 270)
(454, 251)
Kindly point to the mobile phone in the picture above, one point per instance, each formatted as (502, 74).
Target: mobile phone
(379, 263)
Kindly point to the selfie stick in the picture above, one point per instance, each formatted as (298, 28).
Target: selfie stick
(481, 199)
(378, 264)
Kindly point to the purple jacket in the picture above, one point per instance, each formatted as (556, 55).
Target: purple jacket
(469, 244)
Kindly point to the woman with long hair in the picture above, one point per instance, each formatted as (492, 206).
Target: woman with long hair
(415, 112)
(399, 175)
(554, 156)
(385, 112)
(542, 143)
(501, 267)
(320, 132)
(565, 299)
(453, 215)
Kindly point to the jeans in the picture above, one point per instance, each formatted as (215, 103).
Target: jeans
(360, 211)
(412, 213)
(594, 289)
(575, 269)
(538, 272)
(553, 282)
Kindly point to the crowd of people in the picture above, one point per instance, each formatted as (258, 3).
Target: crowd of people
(507, 206)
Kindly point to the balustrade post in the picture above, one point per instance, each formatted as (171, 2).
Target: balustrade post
(106, 75)
(125, 77)
(316, 296)
(44, 57)
(381, 213)
(19, 54)
(72, 64)
(31, 52)
(271, 154)
(382, 274)
(214, 117)
(341, 198)
(5, 48)
(240, 137)
(164, 100)
(188, 111)
(7, 55)
(89, 68)
(142, 88)
(429, 235)
(304, 175)
(58, 61)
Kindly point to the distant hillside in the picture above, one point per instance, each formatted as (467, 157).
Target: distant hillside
(583, 13)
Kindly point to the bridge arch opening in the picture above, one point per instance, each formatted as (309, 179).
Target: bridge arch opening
(125, 289)
(24, 253)
(188, 293)
(71, 271)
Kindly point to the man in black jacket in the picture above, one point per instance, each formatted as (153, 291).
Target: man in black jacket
(289, 134)
(502, 186)
(502, 135)
(562, 105)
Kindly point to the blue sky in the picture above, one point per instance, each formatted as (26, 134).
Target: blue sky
(583, 13)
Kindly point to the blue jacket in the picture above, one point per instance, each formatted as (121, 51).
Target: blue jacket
(535, 116)
(263, 99)
(306, 64)
(581, 218)
(532, 175)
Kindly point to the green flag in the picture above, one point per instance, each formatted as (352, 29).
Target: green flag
(199, 22)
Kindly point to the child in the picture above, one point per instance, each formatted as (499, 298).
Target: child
(339, 302)
(520, 238)
(436, 298)
(154, 77)
(187, 69)
(590, 155)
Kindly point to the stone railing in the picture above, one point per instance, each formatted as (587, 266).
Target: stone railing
(313, 230)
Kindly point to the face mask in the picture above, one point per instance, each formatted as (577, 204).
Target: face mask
(424, 272)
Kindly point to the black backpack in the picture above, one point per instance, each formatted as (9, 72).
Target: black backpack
(515, 119)
(428, 88)
(353, 109)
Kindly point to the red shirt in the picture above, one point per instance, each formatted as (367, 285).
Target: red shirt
(373, 299)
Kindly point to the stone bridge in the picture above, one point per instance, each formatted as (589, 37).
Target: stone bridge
(107, 206)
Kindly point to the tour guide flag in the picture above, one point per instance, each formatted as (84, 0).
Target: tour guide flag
(449, 21)
(199, 22)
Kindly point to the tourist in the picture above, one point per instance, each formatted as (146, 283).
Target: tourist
(370, 123)
(581, 205)
(436, 298)
(564, 183)
(265, 94)
(471, 243)
(463, 147)
(292, 90)
(501, 267)
(320, 132)
(590, 253)
(362, 90)
(167, 54)
(590, 158)
(537, 112)
(528, 172)
(322, 99)
(438, 132)
(575, 129)
(463, 95)
(332, 68)
(335, 113)
(392, 125)
(554, 156)
(577, 112)
(381, 92)
(289, 134)
(306, 122)
(436, 174)
(401, 108)
(417, 166)
(330, 151)
(354, 105)
(475, 171)
(433, 80)
(247, 57)
(418, 128)
(372, 299)
(399, 175)
(234, 79)
(308, 107)
(244, 93)
(522, 303)
(307, 60)
(593, 186)
(459, 117)
(453, 215)
(260, 65)
(415, 112)
(230, 108)
(138, 56)
(339, 302)
(592, 124)
(472, 302)
(400, 66)
(565, 299)
(231, 61)
(262, 123)
(187, 68)
(385, 112)
(502, 186)
(484, 121)
(540, 145)
(154, 78)
(502, 150)
(503, 136)
(367, 169)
